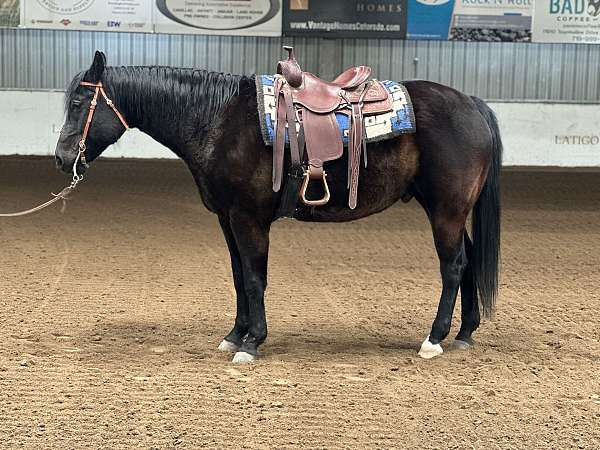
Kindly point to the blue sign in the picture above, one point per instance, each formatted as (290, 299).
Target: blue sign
(429, 19)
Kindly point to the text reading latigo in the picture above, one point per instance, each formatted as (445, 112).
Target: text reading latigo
(577, 140)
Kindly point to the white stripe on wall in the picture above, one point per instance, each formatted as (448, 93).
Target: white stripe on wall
(534, 134)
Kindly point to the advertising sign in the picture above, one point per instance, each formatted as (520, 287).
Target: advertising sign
(569, 21)
(9, 13)
(492, 20)
(429, 19)
(345, 18)
(224, 17)
(92, 15)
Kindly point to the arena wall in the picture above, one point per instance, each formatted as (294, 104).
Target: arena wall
(46, 59)
(535, 134)
(546, 95)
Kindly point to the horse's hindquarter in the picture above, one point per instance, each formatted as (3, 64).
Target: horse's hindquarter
(450, 130)
(454, 141)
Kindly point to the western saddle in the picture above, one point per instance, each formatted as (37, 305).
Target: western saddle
(308, 106)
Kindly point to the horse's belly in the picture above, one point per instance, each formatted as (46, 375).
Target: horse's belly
(391, 168)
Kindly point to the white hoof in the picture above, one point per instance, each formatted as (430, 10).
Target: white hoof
(229, 347)
(243, 358)
(429, 350)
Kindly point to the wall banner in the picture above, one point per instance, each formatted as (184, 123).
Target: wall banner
(9, 13)
(224, 17)
(345, 18)
(90, 15)
(492, 20)
(567, 21)
(429, 19)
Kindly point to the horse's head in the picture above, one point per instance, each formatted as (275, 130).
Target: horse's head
(92, 123)
(594, 8)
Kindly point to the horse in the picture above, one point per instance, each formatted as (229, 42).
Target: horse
(450, 166)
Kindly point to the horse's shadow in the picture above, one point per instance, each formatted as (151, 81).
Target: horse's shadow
(342, 340)
(132, 342)
(129, 340)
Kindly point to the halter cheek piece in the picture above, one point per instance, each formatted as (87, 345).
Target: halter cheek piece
(99, 89)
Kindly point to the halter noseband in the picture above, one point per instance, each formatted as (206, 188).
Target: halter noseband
(99, 89)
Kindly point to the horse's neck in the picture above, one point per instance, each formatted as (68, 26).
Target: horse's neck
(161, 124)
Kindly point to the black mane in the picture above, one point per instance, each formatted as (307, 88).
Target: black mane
(167, 91)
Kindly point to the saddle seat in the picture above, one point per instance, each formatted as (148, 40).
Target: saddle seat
(352, 77)
(322, 96)
(308, 105)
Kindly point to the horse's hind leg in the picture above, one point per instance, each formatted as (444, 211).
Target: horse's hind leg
(448, 237)
(233, 341)
(470, 317)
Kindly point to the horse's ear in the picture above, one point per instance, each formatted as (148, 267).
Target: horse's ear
(94, 73)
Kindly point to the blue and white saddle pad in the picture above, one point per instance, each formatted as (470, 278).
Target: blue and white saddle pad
(400, 120)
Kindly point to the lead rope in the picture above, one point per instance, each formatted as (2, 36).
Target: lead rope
(62, 195)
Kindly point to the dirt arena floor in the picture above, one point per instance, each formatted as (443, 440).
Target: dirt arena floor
(110, 316)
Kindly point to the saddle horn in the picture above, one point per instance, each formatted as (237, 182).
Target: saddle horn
(290, 69)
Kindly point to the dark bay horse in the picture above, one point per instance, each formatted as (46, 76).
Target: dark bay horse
(451, 166)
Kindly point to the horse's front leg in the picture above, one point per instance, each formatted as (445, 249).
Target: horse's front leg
(448, 237)
(252, 239)
(233, 341)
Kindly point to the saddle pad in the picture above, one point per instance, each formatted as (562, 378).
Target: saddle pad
(400, 120)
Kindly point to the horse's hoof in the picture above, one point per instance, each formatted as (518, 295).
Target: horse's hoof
(227, 346)
(243, 358)
(429, 350)
(463, 345)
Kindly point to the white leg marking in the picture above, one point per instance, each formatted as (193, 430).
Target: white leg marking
(229, 347)
(429, 350)
(243, 358)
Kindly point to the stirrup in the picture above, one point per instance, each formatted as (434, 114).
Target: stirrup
(305, 183)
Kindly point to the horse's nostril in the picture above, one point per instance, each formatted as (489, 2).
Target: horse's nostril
(59, 162)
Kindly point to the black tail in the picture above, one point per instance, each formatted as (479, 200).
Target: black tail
(486, 221)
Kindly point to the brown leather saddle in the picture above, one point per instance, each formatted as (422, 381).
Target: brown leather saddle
(306, 108)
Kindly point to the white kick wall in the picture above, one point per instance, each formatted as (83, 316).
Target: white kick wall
(534, 134)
